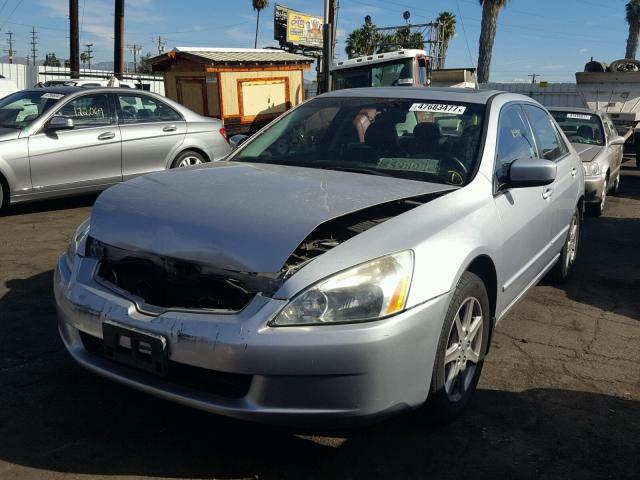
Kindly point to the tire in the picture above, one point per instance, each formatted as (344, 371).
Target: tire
(188, 158)
(458, 365)
(4, 196)
(597, 209)
(569, 252)
(625, 65)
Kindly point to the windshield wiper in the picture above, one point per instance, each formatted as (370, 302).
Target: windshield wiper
(368, 171)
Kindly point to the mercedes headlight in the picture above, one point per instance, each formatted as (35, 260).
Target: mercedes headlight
(78, 237)
(371, 291)
(591, 169)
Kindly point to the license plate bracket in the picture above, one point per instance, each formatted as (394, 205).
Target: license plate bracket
(135, 348)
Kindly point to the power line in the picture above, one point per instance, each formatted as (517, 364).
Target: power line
(11, 14)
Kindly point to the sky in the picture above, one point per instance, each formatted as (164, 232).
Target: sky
(551, 38)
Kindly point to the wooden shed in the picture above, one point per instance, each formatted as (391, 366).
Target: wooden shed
(244, 87)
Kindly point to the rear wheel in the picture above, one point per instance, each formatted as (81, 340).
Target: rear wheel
(461, 349)
(562, 269)
(188, 159)
(4, 196)
(616, 185)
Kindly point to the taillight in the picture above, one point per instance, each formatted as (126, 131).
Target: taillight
(224, 134)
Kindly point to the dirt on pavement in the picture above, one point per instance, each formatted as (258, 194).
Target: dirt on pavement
(559, 395)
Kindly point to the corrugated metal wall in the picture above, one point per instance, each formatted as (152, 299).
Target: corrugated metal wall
(553, 95)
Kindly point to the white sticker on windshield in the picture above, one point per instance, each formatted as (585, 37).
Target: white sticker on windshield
(54, 96)
(579, 116)
(437, 108)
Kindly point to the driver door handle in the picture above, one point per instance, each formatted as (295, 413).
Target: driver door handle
(574, 171)
(169, 128)
(106, 136)
(547, 192)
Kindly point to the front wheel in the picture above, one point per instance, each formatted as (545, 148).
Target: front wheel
(597, 209)
(188, 159)
(461, 349)
(562, 269)
(4, 197)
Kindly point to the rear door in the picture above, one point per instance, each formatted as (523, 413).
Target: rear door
(88, 155)
(563, 192)
(525, 212)
(615, 152)
(151, 131)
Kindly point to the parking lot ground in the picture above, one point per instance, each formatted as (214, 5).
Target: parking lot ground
(559, 396)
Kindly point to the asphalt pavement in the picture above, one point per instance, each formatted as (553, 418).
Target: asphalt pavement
(559, 396)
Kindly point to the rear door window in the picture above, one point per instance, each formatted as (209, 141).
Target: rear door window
(134, 108)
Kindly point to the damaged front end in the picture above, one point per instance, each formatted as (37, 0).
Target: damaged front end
(159, 283)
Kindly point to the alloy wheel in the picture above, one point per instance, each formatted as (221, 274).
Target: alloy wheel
(603, 198)
(463, 349)
(572, 244)
(189, 161)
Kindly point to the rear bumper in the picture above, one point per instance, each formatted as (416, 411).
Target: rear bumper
(304, 376)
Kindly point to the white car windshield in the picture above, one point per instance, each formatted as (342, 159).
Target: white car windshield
(417, 139)
(22, 108)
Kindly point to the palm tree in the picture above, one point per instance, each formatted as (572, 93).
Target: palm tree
(633, 19)
(448, 22)
(363, 41)
(257, 6)
(490, 11)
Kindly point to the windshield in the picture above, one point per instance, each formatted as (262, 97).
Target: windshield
(388, 74)
(580, 127)
(21, 108)
(434, 141)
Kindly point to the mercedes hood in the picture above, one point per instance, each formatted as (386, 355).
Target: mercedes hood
(237, 216)
(587, 152)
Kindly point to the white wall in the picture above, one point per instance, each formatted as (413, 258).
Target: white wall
(26, 76)
(554, 95)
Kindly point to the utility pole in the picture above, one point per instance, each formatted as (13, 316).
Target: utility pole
(33, 45)
(89, 52)
(533, 78)
(10, 51)
(160, 42)
(74, 40)
(118, 45)
(327, 44)
(135, 49)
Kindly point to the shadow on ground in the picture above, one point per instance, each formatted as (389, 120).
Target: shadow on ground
(55, 416)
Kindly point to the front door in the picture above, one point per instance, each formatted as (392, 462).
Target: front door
(86, 156)
(151, 131)
(525, 213)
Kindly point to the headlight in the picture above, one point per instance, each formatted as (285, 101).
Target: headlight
(591, 169)
(370, 291)
(76, 240)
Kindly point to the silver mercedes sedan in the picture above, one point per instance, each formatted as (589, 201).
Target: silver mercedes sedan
(325, 280)
(63, 141)
(600, 147)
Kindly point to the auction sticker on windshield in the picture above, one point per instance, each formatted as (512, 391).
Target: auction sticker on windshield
(578, 116)
(420, 165)
(54, 96)
(437, 107)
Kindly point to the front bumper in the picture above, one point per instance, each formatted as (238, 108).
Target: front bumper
(593, 189)
(325, 376)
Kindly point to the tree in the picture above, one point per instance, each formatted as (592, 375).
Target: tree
(143, 66)
(490, 11)
(447, 20)
(50, 60)
(362, 41)
(633, 19)
(257, 6)
(402, 38)
(84, 58)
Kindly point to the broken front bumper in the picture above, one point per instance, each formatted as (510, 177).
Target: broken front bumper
(593, 188)
(236, 365)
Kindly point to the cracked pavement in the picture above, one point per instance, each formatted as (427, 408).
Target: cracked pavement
(559, 395)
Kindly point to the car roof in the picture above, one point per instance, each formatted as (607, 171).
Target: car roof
(65, 90)
(467, 95)
(574, 110)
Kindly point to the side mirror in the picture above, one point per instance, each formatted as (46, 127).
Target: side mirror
(60, 123)
(237, 140)
(617, 141)
(530, 173)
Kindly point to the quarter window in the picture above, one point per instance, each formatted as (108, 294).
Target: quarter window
(88, 111)
(143, 109)
(550, 147)
(515, 141)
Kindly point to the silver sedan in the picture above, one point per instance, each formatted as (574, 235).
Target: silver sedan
(324, 279)
(63, 141)
(600, 147)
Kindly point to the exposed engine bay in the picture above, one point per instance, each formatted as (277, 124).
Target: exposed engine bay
(159, 283)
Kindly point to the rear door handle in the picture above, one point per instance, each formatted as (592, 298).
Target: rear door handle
(574, 171)
(547, 192)
(106, 136)
(169, 128)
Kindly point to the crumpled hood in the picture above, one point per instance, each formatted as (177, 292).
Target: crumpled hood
(236, 216)
(8, 134)
(587, 152)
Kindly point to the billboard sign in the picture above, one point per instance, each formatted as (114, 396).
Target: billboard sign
(297, 28)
